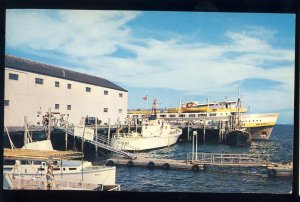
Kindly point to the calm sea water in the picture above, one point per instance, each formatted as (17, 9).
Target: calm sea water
(216, 180)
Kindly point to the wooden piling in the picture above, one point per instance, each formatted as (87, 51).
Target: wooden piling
(96, 135)
(108, 132)
(204, 131)
(49, 125)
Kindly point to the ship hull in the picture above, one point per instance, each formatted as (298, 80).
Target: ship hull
(238, 138)
(146, 143)
(261, 133)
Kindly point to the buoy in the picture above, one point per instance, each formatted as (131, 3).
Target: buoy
(195, 168)
(129, 163)
(151, 165)
(166, 166)
(110, 163)
(273, 172)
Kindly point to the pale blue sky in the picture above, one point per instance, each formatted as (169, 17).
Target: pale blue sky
(168, 55)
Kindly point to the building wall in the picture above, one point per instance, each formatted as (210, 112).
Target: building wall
(26, 98)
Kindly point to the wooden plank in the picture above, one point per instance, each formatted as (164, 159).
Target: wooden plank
(28, 154)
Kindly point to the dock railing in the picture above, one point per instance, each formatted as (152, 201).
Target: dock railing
(229, 159)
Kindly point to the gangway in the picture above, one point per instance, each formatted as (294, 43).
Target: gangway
(99, 142)
(217, 159)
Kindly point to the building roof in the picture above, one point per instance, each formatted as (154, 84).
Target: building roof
(49, 70)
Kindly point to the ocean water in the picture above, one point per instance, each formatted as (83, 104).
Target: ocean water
(214, 179)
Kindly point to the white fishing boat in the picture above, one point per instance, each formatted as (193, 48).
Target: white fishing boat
(72, 170)
(20, 182)
(155, 133)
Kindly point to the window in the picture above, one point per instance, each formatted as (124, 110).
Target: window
(69, 107)
(6, 102)
(105, 109)
(120, 94)
(13, 76)
(105, 92)
(69, 86)
(120, 111)
(88, 89)
(56, 84)
(56, 106)
(192, 115)
(39, 81)
(181, 115)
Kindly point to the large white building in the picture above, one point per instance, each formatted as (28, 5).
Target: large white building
(31, 88)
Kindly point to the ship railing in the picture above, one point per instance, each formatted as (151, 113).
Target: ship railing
(229, 159)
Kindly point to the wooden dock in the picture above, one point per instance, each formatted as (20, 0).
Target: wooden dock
(153, 163)
(201, 161)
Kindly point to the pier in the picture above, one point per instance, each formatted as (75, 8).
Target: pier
(198, 161)
(152, 163)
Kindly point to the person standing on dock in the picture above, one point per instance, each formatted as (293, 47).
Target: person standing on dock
(50, 176)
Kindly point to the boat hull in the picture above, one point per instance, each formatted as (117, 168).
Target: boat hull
(261, 133)
(94, 174)
(144, 143)
(238, 138)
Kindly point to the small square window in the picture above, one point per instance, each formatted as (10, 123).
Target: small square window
(69, 86)
(39, 81)
(120, 94)
(120, 111)
(6, 103)
(13, 76)
(105, 110)
(56, 106)
(88, 89)
(105, 92)
(56, 84)
(69, 107)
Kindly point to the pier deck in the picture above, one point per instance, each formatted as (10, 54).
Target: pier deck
(156, 163)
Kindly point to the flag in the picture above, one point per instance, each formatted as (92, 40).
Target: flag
(145, 98)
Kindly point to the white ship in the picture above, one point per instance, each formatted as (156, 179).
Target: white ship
(72, 170)
(156, 133)
(259, 125)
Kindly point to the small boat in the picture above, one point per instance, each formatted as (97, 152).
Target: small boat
(20, 182)
(31, 162)
(155, 133)
(238, 137)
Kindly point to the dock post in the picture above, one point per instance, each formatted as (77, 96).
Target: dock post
(195, 133)
(49, 124)
(66, 134)
(96, 134)
(135, 121)
(204, 131)
(108, 132)
(129, 120)
(220, 131)
(188, 131)
(25, 131)
(193, 149)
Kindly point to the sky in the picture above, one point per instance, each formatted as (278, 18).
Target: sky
(171, 56)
